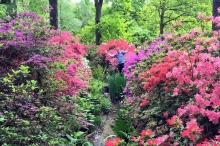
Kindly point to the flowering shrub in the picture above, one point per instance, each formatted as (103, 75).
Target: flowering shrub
(35, 62)
(180, 103)
(75, 73)
(137, 64)
(113, 142)
(111, 46)
(24, 40)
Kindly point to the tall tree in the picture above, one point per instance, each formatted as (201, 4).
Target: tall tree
(215, 6)
(169, 11)
(98, 7)
(5, 1)
(15, 8)
(53, 13)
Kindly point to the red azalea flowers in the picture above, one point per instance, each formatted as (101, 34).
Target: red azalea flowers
(113, 142)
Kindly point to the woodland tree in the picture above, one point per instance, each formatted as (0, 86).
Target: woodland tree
(98, 7)
(53, 13)
(215, 6)
(169, 11)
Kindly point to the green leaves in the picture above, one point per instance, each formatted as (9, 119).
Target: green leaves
(114, 28)
(77, 138)
(2, 118)
(121, 129)
(116, 83)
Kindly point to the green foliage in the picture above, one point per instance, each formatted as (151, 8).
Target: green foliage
(177, 10)
(22, 114)
(140, 34)
(68, 19)
(116, 83)
(96, 87)
(114, 28)
(85, 11)
(95, 102)
(38, 7)
(30, 117)
(92, 53)
(3, 9)
(7, 9)
(88, 33)
(98, 72)
(77, 139)
(98, 121)
(123, 129)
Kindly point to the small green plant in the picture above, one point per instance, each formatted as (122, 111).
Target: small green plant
(98, 72)
(96, 87)
(105, 105)
(116, 83)
(123, 130)
(77, 139)
(98, 121)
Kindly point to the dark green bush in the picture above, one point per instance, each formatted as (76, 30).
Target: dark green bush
(116, 83)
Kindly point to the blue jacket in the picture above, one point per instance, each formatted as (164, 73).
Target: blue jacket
(120, 57)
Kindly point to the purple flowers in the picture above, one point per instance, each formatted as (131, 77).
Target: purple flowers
(25, 40)
(153, 47)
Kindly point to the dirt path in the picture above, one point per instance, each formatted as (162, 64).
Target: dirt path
(105, 129)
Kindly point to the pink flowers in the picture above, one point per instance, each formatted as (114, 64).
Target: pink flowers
(113, 141)
(144, 102)
(147, 133)
(111, 46)
(191, 130)
(176, 72)
(200, 16)
(157, 141)
(165, 115)
(218, 10)
(169, 74)
(179, 23)
(75, 73)
(175, 121)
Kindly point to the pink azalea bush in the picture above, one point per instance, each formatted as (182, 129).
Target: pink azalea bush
(37, 66)
(111, 48)
(184, 82)
(76, 73)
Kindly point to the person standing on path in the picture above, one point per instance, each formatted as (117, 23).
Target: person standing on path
(120, 57)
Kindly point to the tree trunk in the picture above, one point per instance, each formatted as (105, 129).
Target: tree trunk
(60, 16)
(98, 7)
(162, 21)
(215, 6)
(5, 1)
(53, 14)
(15, 8)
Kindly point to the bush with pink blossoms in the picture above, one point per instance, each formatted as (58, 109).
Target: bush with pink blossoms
(33, 61)
(184, 83)
(111, 46)
(24, 40)
(75, 73)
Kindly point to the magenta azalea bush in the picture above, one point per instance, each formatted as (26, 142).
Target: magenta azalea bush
(24, 40)
(43, 73)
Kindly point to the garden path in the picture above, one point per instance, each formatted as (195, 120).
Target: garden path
(105, 129)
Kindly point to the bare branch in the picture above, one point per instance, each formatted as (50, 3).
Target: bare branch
(173, 18)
